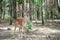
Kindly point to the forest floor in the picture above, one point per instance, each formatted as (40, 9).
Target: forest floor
(50, 31)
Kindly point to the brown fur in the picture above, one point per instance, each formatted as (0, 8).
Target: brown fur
(19, 21)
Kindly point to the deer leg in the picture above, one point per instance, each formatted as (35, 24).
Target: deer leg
(20, 30)
(14, 29)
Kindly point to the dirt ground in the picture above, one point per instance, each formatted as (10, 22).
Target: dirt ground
(47, 32)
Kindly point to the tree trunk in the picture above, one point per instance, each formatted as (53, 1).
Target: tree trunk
(42, 13)
(51, 14)
(14, 9)
(42, 19)
(20, 10)
(30, 9)
(23, 9)
(10, 9)
(1, 10)
(4, 10)
(38, 13)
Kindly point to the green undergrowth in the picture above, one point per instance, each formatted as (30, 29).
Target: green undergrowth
(29, 25)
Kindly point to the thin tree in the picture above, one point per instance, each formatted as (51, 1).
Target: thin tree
(10, 10)
(42, 12)
(30, 9)
(14, 9)
(1, 10)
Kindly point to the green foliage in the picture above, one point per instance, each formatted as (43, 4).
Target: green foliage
(1, 1)
(29, 25)
(14, 1)
(7, 16)
(27, 1)
(38, 2)
(20, 1)
(33, 1)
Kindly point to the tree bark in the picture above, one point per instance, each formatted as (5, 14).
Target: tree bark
(14, 9)
(42, 12)
(38, 13)
(23, 9)
(30, 9)
(10, 9)
(1, 10)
